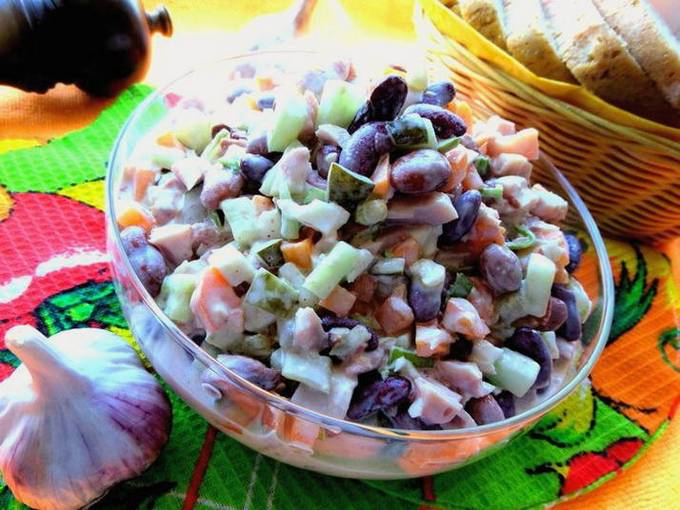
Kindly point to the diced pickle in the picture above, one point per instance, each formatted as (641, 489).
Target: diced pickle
(271, 294)
(345, 186)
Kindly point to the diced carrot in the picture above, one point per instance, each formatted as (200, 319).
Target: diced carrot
(408, 249)
(144, 177)
(264, 82)
(340, 301)
(524, 142)
(458, 159)
(364, 287)
(394, 315)
(215, 303)
(135, 215)
(262, 204)
(381, 179)
(463, 110)
(168, 140)
(298, 433)
(299, 253)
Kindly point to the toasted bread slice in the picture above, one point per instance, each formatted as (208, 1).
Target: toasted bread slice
(649, 40)
(530, 40)
(487, 17)
(599, 59)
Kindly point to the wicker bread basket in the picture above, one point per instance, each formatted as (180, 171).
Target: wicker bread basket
(626, 168)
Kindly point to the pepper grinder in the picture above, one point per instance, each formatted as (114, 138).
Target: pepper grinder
(101, 46)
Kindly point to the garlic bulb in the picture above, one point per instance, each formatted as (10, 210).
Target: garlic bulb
(79, 415)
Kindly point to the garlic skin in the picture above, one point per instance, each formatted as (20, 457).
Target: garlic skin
(79, 415)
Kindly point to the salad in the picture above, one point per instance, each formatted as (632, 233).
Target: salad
(361, 246)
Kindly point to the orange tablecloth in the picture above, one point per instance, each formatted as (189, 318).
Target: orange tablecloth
(204, 31)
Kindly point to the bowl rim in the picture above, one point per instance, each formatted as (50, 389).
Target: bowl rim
(605, 278)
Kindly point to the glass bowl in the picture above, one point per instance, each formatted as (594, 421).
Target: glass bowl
(271, 424)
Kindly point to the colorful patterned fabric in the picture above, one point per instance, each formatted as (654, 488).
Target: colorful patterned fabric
(55, 276)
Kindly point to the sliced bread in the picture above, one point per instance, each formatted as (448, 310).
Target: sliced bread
(530, 40)
(649, 40)
(487, 17)
(599, 59)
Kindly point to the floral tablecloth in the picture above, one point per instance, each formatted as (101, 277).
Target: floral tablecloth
(53, 151)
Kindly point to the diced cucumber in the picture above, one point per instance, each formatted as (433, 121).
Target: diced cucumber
(388, 266)
(256, 319)
(233, 265)
(165, 157)
(485, 354)
(347, 187)
(428, 273)
(448, 144)
(269, 253)
(372, 211)
(290, 228)
(583, 303)
(313, 193)
(364, 260)
(399, 352)
(325, 217)
(256, 346)
(412, 131)
(492, 192)
(176, 294)
(550, 340)
(242, 218)
(340, 101)
(331, 270)
(309, 369)
(290, 115)
(269, 224)
(539, 281)
(515, 372)
(350, 341)
(193, 129)
(271, 184)
(271, 294)
(213, 149)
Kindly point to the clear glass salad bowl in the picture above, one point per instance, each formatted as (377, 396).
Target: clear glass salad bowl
(273, 425)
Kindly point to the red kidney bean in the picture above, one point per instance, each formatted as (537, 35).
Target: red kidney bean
(530, 343)
(385, 102)
(365, 147)
(404, 421)
(252, 370)
(506, 401)
(484, 410)
(257, 144)
(467, 206)
(571, 329)
(575, 252)
(445, 123)
(420, 171)
(146, 260)
(378, 396)
(254, 167)
(440, 93)
(501, 268)
(555, 316)
(424, 302)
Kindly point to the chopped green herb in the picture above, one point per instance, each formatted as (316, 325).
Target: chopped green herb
(482, 164)
(526, 239)
(495, 192)
(460, 287)
(448, 144)
(418, 362)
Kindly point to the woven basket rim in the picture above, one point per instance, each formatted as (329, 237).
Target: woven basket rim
(500, 62)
